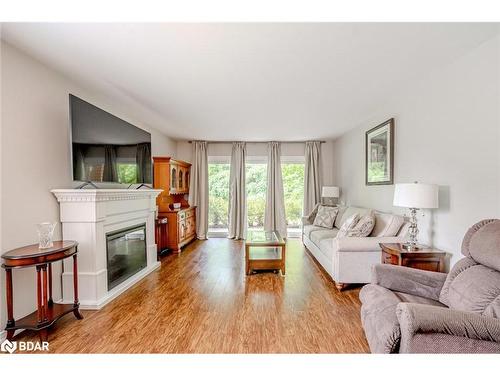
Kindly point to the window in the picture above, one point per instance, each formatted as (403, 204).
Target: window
(292, 170)
(127, 173)
(256, 184)
(218, 197)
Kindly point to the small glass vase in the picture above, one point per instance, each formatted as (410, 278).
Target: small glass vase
(45, 235)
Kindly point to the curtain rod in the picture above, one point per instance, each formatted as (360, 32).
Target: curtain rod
(215, 142)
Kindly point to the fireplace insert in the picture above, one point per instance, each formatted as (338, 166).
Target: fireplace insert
(126, 253)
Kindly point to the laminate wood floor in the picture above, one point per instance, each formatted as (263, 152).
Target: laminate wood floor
(201, 302)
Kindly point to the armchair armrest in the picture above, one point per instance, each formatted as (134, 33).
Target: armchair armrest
(361, 243)
(417, 319)
(421, 283)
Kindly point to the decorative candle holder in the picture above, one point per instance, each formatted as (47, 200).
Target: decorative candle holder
(45, 235)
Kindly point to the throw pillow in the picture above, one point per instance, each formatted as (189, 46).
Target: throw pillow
(314, 212)
(363, 227)
(348, 225)
(326, 216)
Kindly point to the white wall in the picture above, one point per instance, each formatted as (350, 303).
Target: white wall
(448, 133)
(35, 156)
(184, 152)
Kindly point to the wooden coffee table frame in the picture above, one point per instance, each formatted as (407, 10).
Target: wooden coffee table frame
(265, 264)
(47, 312)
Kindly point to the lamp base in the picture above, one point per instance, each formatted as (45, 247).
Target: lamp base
(412, 246)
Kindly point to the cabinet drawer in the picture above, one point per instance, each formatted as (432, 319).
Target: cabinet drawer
(181, 216)
(189, 213)
(389, 259)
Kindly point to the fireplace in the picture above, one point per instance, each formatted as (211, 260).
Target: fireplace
(126, 253)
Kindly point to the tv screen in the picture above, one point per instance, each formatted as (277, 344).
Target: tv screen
(106, 148)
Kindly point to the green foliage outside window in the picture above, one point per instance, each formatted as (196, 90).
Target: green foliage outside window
(256, 184)
(127, 173)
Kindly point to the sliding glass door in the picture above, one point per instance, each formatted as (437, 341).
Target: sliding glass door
(256, 184)
(218, 196)
(292, 170)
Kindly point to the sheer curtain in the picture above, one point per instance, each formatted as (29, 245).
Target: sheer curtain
(312, 176)
(274, 218)
(198, 191)
(237, 193)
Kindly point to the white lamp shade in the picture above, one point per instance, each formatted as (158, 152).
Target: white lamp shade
(416, 195)
(330, 192)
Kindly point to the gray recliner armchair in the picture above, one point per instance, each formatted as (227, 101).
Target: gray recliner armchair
(407, 310)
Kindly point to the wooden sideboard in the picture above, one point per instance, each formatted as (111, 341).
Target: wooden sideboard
(172, 176)
(181, 227)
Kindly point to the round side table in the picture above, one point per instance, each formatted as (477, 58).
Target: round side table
(47, 312)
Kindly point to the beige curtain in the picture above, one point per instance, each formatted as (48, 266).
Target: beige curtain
(274, 218)
(237, 193)
(312, 176)
(198, 191)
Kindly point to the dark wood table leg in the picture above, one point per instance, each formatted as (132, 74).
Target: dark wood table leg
(10, 304)
(51, 302)
(283, 259)
(76, 303)
(39, 304)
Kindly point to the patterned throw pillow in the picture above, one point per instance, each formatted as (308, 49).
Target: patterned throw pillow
(348, 225)
(313, 213)
(326, 216)
(363, 228)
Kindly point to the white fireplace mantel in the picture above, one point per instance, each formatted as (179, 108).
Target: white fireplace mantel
(86, 216)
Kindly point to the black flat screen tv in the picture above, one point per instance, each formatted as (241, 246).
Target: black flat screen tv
(106, 148)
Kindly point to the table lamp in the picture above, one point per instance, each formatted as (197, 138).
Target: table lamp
(415, 196)
(330, 192)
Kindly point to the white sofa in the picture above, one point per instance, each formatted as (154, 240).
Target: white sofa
(349, 260)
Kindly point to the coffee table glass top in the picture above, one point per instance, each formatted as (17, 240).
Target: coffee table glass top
(262, 238)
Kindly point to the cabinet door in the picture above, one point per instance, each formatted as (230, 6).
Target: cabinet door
(190, 224)
(182, 230)
(173, 177)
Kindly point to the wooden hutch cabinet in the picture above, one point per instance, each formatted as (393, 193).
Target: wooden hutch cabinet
(173, 177)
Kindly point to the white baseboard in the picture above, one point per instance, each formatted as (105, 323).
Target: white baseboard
(113, 293)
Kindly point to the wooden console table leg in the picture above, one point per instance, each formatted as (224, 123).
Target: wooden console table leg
(283, 259)
(44, 292)
(247, 260)
(76, 303)
(51, 302)
(10, 304)
(39, 294)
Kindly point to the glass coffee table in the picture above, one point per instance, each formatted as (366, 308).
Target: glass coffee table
(264, 251)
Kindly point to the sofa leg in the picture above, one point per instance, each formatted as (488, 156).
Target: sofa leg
(340, 286)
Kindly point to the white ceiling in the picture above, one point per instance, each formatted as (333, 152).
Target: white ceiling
(249, 81)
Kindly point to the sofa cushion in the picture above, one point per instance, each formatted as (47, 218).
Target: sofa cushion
(325, 217)
(308, 229)
(387, 225)
(348, 225)
(472, 287)
(378, 316)
(319, 235)
(347, 212)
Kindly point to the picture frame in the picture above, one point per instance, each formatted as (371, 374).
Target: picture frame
(379, 154)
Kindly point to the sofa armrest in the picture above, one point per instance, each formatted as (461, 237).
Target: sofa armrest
(421, 283)
(351, 244)
(417, 319)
